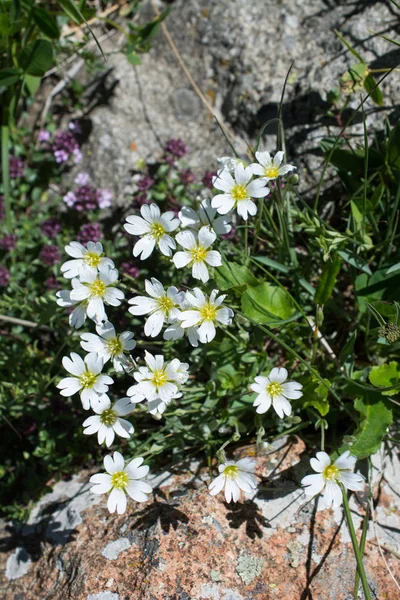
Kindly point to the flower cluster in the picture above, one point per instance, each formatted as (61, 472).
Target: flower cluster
(65, 145)
(86, 197)
(187, 239)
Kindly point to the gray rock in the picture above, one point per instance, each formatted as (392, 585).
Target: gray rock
(18, 564)
(103, 596)
(113, 549)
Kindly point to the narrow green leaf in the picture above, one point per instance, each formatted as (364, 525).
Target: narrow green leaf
(350, 48)
(372, 89)
(393, 147)
(9, 77)
(327, 280)
(348, 348)
(75, 15)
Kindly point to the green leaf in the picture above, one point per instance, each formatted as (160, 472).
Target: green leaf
(71, 11)
(133, 58)
(315, 394)
(36, 58)
(9, 77)
(32, 83)
(372, 89)
(327, 280)
(230, 275)
(4, 24)
(393, 147)
(376, 415)
(353, 79)
(266, 303)
(46, 23)
(383, 376)
(355, 261)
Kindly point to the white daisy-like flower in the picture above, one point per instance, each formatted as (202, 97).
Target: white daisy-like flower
(175, 331)
(328, 477)
(159, 380)
(275, 390)
(78, 316)
(235, 476)
(163, 306)
(108, 344)
(270, 168)
(153, 227)
(157, 406)
(97, 289)
(91, 257)
(107, 422)
(197, 253)
(205, 217)
(205, 314)
(238, 192)
(121, 480)
(86, 378)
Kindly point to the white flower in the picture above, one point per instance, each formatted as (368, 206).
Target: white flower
(270, 168)
(273, 390)
(159, 380)
(156, 407)
(205, 314)
(97, 289)
(121, 479)
(86, 378)
(235, 476)
(238, 191)
(107, 422)
(91, 258)
(204, 217)
(197, 253)
(328, 477)
(154, 228)
(163, 306)
(78, 316)
(108, 345)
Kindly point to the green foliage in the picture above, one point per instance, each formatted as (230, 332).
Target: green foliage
(327, 280)
(385, 376)
(376, 417)
(316, 394)
(266, 303)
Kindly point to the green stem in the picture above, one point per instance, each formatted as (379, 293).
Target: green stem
(5, 168)
(356, 548)
(362, 546)
(322, 437)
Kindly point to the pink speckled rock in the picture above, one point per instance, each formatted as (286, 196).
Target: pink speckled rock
(187, 545)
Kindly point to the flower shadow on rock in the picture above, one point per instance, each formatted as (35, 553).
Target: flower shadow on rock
(164, 513)
(249, 513)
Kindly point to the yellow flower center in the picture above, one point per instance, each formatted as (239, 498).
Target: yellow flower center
(92, 259)
(159, 378)
(239, 192)
(272, 172)
(120, 480)
(108, 417)
(88, 379)
(114, 346)
(165, 303)
(331, 472)
(199, 254)
(157, 230)
(274, 389)
(231, 472)
(208, 312)
(97, 288)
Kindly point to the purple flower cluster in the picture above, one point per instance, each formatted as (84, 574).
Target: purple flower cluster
(186, 176)
(8, 241)
(129, 269)
(51, 227)
(4, 276)
(65, 145)
(44, 135)
(86, 197)
(50, 255)
(52, 283)
(175, 149)
(207, 179)
(2, 208)
(89, 233)
(16, 167)
(145, 183)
